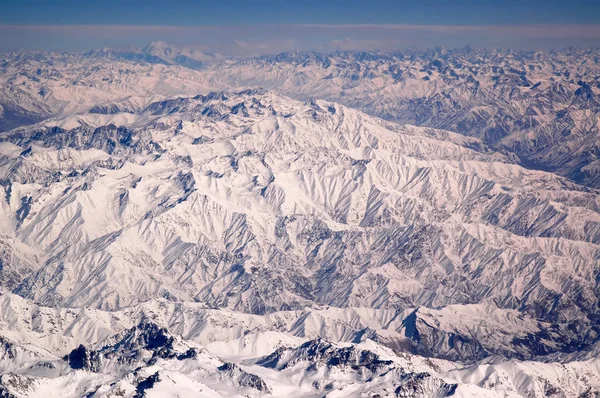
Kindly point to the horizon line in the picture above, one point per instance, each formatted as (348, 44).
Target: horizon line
(308, 25)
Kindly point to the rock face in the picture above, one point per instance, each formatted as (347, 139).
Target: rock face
(242, 378)
(127, 349)
(323, 353)
(313, 246)
(82, 358)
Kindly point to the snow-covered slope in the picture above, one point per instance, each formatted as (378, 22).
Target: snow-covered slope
(542, 106)
(258, 203)
(155, 242)
(34, 87)
(144, 359)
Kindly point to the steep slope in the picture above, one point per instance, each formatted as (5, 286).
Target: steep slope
(258, 203)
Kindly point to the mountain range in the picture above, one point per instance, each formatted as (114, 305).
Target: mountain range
(415, 224)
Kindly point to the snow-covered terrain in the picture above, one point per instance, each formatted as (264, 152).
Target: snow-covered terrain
(159, 238)
(223, 358)
(542, 106)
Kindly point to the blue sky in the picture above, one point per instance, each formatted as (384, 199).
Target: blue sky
(264, 26)
(189, 12)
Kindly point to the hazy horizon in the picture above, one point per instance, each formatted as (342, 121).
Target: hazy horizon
(262, 39)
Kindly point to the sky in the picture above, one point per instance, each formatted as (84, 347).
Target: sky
(234, 26)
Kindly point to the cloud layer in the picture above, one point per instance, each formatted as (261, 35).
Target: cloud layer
(260, 39)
